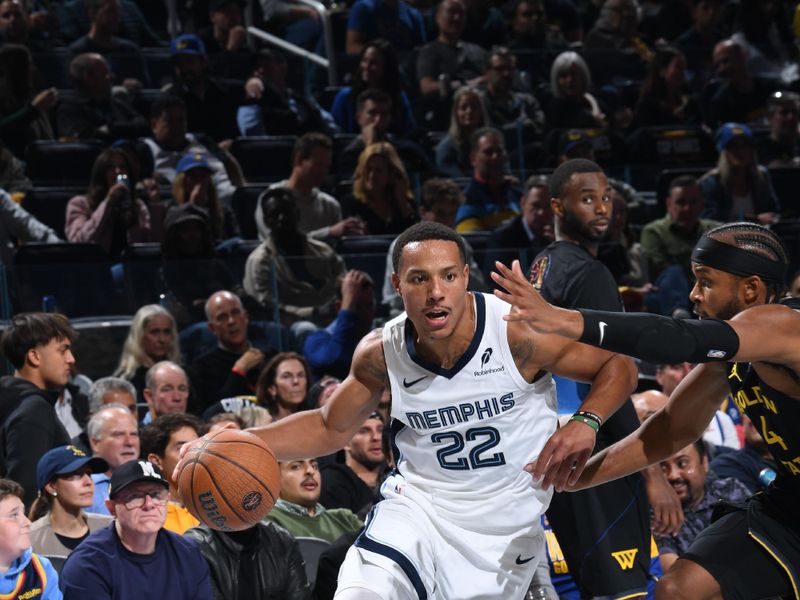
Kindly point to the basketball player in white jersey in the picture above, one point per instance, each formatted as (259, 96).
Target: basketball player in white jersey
(473, 402)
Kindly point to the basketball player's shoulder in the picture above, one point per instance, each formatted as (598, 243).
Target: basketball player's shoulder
(779, 314)
(369, 362)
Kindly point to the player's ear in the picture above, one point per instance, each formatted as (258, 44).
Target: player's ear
(396, 282)
(751, 288)
(112, 508)
(557, 206)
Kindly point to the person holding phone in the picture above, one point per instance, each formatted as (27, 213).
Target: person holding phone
(109, 214)
(382, 195)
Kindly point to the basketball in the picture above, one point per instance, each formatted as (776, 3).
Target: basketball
(230, 481)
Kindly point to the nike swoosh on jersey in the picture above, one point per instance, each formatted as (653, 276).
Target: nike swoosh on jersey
(408, 384)
(522, 561)
(602, 326)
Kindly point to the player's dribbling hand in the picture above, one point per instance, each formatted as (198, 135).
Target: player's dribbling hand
(564, 456)
(185, 448)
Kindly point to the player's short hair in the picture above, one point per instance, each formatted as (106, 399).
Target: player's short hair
(10, 488)
(760, 241)
(422, 232)
(154, 438)
(567, 169)
(29, 330)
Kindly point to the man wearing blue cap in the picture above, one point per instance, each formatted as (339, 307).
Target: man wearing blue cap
(211, 104)
(135, 556)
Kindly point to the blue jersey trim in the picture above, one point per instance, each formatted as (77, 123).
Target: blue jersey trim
(362, 541)
(480, 326)
(394, 429)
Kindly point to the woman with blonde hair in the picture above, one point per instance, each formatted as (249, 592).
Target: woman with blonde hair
(64, 478)
(738, 189)
(382, 195)
(571, 104)
(153, 337)
(282, 386)
(468, 114)
(194, 184)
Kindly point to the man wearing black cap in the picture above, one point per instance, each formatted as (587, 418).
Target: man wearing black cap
(749, 338)
(135, 555)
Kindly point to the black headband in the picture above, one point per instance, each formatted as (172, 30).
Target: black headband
(733, 260)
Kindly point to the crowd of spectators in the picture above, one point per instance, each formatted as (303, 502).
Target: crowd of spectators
(269, 200)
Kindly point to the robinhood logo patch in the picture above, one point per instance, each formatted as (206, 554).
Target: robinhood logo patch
(485, 357)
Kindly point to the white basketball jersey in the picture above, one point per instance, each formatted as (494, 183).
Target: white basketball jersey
(461, 436)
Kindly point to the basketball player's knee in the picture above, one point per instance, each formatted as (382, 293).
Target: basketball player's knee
(354, 593)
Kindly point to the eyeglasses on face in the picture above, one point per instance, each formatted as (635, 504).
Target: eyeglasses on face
(136, 500)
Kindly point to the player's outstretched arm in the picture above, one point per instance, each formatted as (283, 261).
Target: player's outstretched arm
(659, 339)
(319, 432)
(314, 433)
(682, 421)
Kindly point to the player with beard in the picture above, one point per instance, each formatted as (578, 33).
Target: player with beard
(354, 484)
(594, 526)
(749, 341)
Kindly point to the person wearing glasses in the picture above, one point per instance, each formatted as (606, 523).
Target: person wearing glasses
(135, 555)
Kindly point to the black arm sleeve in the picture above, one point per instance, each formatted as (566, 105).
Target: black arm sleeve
(660, 340)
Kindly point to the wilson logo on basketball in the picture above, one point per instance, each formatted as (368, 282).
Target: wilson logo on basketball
(251, 501)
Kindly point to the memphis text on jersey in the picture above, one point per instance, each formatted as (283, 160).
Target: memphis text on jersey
(461, 413)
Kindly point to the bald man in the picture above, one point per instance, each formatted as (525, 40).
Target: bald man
(230, 369)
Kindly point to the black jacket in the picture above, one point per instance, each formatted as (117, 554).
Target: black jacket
(29, 427)
(278, 569)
